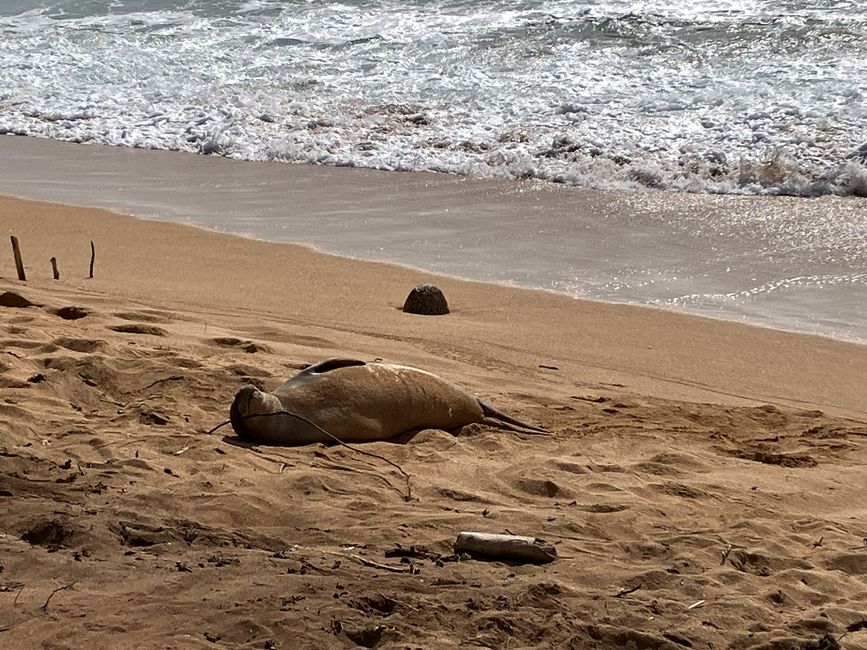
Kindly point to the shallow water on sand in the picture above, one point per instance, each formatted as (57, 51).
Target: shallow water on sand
(782, 262)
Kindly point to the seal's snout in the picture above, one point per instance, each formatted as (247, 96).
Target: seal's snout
(244, 399)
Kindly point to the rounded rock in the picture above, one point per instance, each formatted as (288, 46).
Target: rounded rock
(426, 299)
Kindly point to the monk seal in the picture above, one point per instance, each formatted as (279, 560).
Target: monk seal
(356, 401)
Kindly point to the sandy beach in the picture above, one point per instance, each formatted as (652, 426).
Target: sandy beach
(703, 482)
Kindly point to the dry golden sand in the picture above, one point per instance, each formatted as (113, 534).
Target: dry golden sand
(704, 481)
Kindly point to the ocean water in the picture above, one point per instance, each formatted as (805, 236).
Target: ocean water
(704, 96)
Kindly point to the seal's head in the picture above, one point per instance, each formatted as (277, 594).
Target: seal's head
(249, 402)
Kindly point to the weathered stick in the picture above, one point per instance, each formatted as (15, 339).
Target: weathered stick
(505, 547)
(377, 565)
(92, 260)
(623, 591)
(19, 265)
(44, 608)
(54, 268)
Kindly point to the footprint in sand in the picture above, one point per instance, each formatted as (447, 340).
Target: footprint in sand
(183, 362)
(541, 488)
(854, 564)
(247, 346)
(246, 370)
(145, 316)
(138, 328)
(278, 336)
(570, 468)
(773, 458)
(71, 313)
(80, 345)
(51, 534)
(22, 344)
(761, 564)
(673, 489)
(11, 382)
(602, 508)
(465, 497)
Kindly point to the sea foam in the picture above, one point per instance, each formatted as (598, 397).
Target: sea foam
(712, 97)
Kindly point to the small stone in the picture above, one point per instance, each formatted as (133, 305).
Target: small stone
(426, 299)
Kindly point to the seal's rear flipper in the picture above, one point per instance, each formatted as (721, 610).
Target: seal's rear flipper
(331, 364)
(496, 417)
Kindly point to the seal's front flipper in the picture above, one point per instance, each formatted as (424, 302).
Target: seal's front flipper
(331, 364)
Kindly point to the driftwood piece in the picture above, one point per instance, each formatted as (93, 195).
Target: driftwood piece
(92, 260)
(19, 264)
(54, 270)
(515, 548)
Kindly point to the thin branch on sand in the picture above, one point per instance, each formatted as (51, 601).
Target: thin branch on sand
(625, 592)
(377, 565)
(15, 602)
(362, 560)
(44, 607)
(158, 381)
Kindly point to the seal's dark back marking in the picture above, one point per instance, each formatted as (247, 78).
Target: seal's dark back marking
(331, 364)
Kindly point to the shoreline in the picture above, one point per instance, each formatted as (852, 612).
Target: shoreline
(653, 351)
(584, 243)
(437, 277)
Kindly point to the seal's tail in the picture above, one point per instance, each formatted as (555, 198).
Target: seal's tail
(496, 417)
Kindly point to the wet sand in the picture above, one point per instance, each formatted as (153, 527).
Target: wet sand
(795, 264)
(703, 480)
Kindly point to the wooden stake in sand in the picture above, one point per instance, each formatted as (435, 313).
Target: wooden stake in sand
(92, 259)
(54, 268)
(19, 265)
